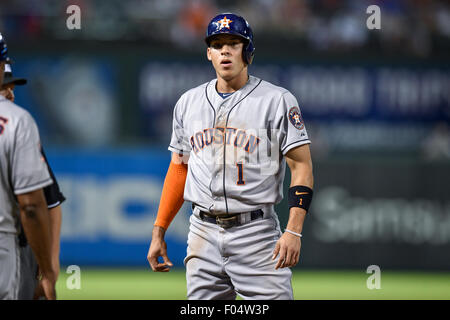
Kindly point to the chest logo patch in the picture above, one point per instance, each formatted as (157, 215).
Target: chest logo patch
(295, 117)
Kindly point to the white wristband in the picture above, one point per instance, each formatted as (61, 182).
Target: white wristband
(294, 233)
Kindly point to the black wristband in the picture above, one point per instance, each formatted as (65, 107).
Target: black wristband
(300, 197)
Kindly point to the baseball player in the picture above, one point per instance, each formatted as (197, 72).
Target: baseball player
(30, 287)
(23, 174)
(231, 140)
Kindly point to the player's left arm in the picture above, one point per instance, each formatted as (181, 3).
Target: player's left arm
(54, 198)
(288, 246)
(55, 229)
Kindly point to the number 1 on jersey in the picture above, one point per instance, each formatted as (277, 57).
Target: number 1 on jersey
(240, 180)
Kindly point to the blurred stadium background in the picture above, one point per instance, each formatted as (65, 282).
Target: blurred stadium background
(376, 105)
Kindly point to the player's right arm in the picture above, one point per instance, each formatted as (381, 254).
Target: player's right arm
(169, 205)
(36, 223)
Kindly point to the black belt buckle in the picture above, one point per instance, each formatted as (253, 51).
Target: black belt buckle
(227, 222)
(230, 221)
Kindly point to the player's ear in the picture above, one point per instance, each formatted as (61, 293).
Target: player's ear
(10, 95)
(208, 53)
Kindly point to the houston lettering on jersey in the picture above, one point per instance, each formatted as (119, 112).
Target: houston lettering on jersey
(221, 135)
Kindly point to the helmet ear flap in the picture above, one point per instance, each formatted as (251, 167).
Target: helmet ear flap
(249, 52)
(3, 49)
(247, 57)
(250, 58)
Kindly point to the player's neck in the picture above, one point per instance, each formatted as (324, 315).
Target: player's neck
(228, 86)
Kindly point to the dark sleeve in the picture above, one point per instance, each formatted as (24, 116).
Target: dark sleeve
(53, 194)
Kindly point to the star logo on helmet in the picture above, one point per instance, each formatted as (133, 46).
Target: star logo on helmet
(224, 23)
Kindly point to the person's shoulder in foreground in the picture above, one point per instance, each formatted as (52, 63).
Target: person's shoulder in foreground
(12, 110)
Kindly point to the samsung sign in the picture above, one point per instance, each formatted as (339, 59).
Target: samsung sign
(364, 212)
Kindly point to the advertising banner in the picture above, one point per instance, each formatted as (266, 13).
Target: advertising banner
(346, 107)
(392, 213)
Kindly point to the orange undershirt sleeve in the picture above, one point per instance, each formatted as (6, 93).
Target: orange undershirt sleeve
(172, 194)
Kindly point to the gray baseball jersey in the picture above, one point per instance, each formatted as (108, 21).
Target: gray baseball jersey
(236, 145)
(22, 167)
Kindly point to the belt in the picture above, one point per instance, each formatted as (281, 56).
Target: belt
(230, 220)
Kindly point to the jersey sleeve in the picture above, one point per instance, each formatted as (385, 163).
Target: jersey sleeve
(291, 127)
(179, 142)
(52, 193)
(29, 171)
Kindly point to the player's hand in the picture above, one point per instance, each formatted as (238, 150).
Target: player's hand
(39, 292)
(45, 289)
(48, 285)
(158, 248)
(288, 247)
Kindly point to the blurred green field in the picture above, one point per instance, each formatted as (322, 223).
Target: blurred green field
(139, 284)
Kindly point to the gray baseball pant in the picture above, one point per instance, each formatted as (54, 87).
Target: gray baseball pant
(28, 273)
(9, 266)
(221, 263)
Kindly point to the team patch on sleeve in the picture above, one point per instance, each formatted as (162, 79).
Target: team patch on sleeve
(295, 117)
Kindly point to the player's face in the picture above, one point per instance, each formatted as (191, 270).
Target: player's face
(225, 53)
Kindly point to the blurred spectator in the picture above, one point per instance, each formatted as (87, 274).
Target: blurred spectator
(293, 16)
(437, 145)
(409, 27)
(191, 21)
